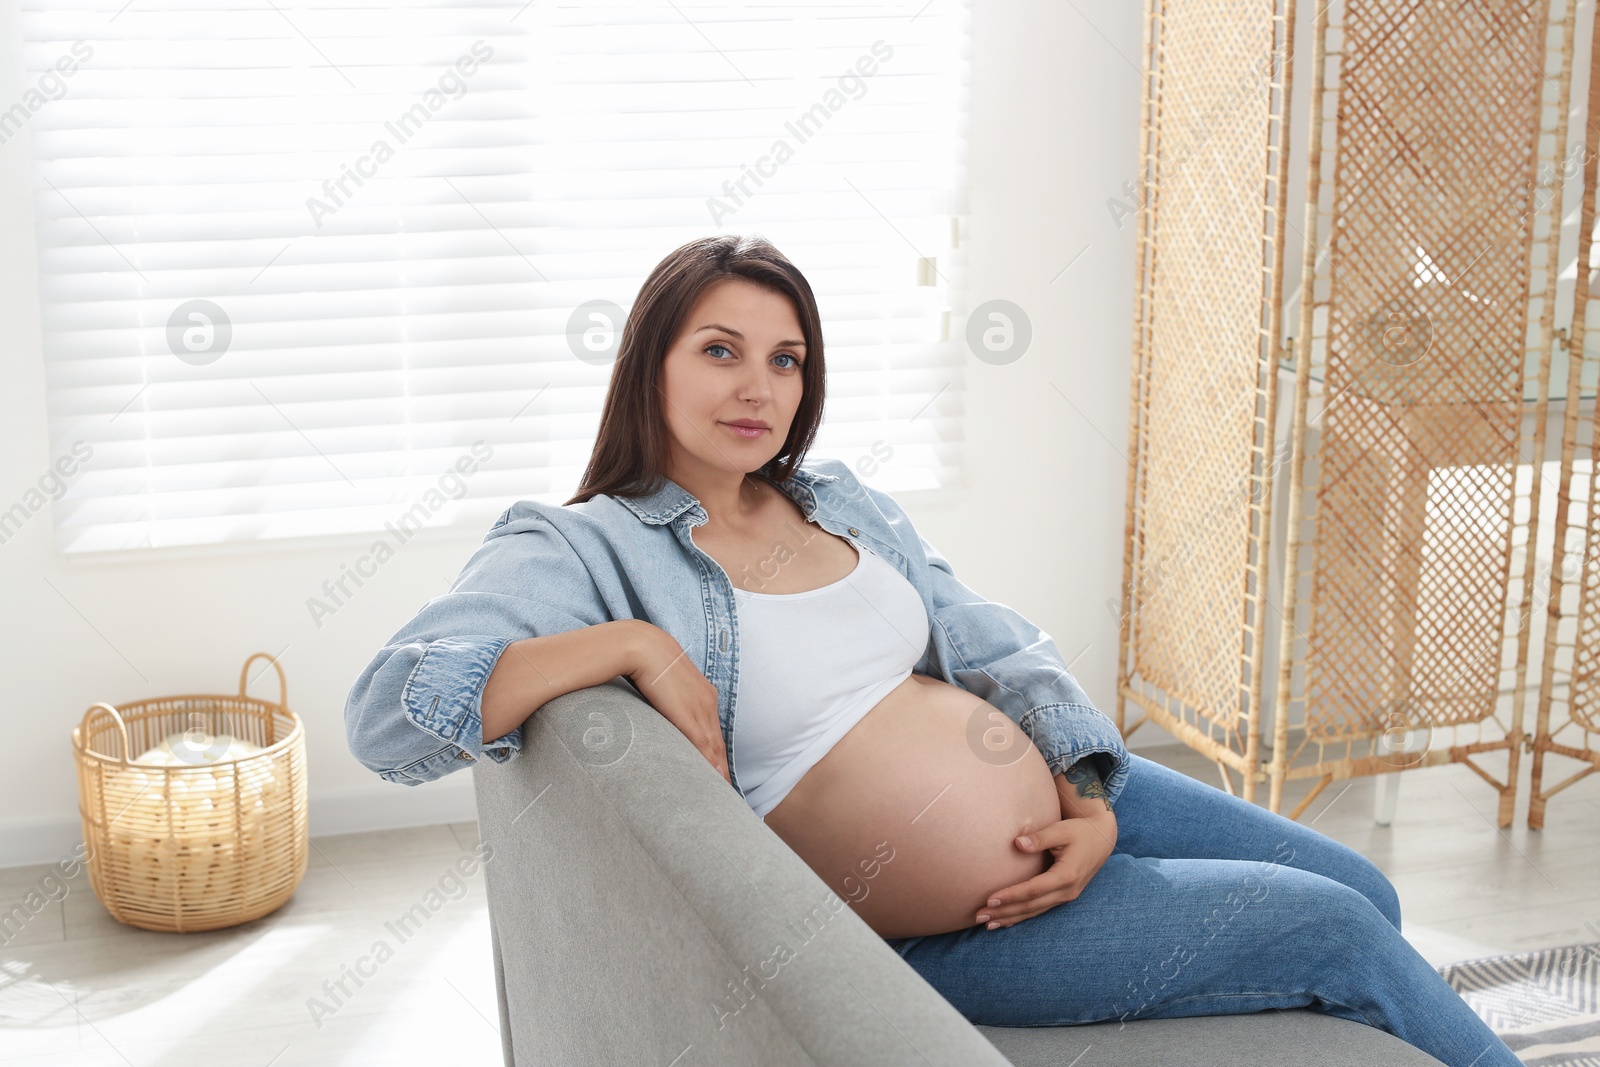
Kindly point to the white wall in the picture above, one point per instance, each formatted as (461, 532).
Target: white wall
(1053, 135)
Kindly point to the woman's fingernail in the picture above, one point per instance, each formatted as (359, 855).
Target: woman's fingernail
(992, 925)
(1025, 841)
(984, 917)
(994, 902)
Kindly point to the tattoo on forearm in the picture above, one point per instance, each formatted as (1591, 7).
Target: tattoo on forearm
(1086, 780)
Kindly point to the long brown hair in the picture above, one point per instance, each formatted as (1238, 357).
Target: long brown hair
(631, 449)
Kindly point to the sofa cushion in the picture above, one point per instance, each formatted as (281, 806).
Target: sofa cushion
(1295, 1038)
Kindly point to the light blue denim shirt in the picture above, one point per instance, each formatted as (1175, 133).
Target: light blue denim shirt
(413, 715)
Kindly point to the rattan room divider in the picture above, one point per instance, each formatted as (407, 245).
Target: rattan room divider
(1393, 502)
(1568, 717)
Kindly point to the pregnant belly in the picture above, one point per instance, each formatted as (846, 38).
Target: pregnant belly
(912, 816)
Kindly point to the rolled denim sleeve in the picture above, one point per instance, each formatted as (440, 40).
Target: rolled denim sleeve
(999, 656)
(415, 713)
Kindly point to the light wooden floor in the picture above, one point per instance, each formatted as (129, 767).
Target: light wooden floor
(76, 987)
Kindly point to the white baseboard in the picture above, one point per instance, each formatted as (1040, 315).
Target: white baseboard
(384, 806)
(389, 806)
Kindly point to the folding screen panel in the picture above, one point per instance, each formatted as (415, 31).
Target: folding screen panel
(1209, 246)
(1568, 719)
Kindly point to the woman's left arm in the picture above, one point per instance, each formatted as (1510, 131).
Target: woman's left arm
(1081, 843)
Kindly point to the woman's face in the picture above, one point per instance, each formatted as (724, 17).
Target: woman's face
(737, 357)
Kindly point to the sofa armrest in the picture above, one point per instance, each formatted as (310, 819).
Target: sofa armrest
(641, 912)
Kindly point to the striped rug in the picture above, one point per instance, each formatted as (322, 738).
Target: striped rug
(1544, 1005)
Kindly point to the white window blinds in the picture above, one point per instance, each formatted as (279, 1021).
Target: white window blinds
(307, 268)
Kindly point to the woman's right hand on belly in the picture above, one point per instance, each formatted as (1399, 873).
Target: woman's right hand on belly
(676, 688)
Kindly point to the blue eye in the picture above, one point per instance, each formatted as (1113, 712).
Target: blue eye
(796, 363)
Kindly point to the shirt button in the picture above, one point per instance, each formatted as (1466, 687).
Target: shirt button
(854, 532)
(464, 754)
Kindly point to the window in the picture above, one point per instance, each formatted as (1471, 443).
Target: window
(306, 267)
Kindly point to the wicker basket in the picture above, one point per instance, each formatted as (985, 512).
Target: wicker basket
(201, 845)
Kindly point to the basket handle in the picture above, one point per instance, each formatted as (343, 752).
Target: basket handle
(116, 716)
(283, 686)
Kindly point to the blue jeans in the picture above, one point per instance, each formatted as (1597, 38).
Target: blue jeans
(1209, 906)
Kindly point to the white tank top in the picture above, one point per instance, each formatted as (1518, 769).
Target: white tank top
(812, 664)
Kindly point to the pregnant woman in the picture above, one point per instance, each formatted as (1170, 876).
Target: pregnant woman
(822, 656)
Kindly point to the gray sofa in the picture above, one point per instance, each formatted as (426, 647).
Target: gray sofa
(637, 904)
